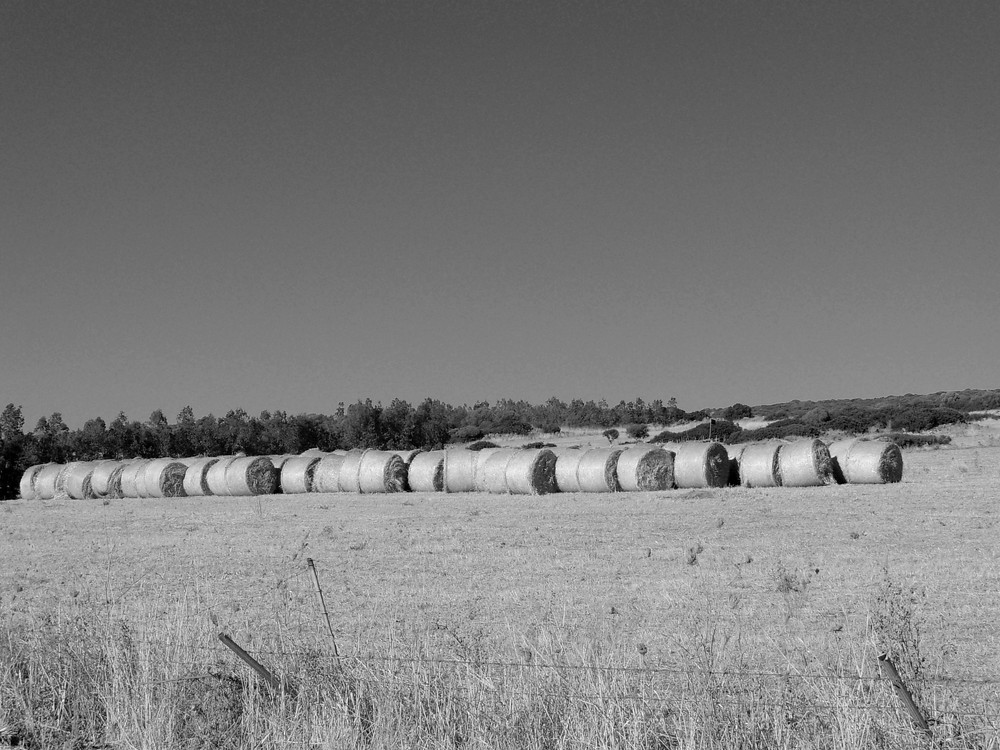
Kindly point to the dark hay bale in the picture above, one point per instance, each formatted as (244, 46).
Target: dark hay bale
(251, 475)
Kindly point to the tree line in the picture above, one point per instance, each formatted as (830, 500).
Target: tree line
(398, 426)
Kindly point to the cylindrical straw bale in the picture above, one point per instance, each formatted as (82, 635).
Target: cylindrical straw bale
(459, 470)
(867, 461)
(805, 463)
(131, 476)
(597, 470)
(76, 479)
(426, 472)
(151, 477)
(567, 463)
(115, 480)
(278, 460)
(735, 452)
(194, 476)
(171, 480)
(491, 475)
(326, 473)
(297, 474)
(479, 483)
(645, 468)
(699, 464)
(251, 475)
(349, 480)
(215, 476)
(381, 471)
(759, 465)
(45, 481)
(101, 477)
(27, 483)
(532, 472)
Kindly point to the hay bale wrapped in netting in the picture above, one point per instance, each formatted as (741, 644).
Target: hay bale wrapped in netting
(426, 472)
(381, 471)
(215, 476)
(805, 463)
(597, 470)
(459, 470)
(645, 468)
(699, 464)
(115, 481)
(567, 463)
(251, 475)
(194, 476)
(532, 472)
(100, 478)
(279, 459)
(296, 475)
(735, 452)
(76, 479)
(479, 482)
(46, 479)
(150, 478)
(326, 473)
(26, 486)
(491, 474)
(759, 465)
(131, 476)
(350, 469)
(867, 461)
(165, 477)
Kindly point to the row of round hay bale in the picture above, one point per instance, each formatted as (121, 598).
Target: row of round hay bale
(759, 465)
(76, 479)
(326, 473)
(597, 470)
(645, 468)
(567, 464)
(296, 474)
(857, 461)
(426, 472)
(699, 464)
(250, 475)
(194, 476)
(804, 463)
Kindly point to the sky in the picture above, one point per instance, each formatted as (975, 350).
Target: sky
(286, 205)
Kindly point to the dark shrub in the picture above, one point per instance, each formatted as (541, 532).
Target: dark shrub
(637, 431)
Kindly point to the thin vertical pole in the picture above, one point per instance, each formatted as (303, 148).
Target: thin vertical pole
(322, 604)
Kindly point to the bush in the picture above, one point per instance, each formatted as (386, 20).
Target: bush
(550, 428)
(537, 445)
(722, 431)
(637, 431)
(466, 433)
(611, 435)
(480, 444)
(737, 411)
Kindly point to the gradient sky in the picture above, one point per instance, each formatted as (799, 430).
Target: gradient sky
(285, 205)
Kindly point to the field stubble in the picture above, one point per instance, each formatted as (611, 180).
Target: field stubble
(700, 618)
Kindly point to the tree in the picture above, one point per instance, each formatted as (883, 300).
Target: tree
(638, 431)
(11, 423)
(611, 435)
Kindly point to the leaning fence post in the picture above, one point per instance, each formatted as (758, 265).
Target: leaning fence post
(322, 604)
(255, 665)
(888, 670)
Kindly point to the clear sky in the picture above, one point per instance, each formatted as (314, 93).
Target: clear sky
(282, 205)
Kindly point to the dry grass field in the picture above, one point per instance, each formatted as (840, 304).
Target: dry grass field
(701, 618)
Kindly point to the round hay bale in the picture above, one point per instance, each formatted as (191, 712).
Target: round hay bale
(567, 463)
(76, 479)
(350, 470)
(100, 478)
(251, 475)
(278, 460)
(26, 486)
(215, 476)
(131, 476)
(479, 483)
(699, 464)
(151, 477)
(194, 476)
(805, 463)
(426, 472)
(735, 452)
(115, 481)
(491, 475)
(597, 470)
(867, 461)
(645, 468)
(171, 480)
(381, 471)
(313, 452)
(759, 465)
(296, 476)
(532, 472)
(459, 470)
(326, 473)
(45, 481)
(408, 456)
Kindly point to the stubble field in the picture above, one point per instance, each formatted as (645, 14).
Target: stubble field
(673, 619)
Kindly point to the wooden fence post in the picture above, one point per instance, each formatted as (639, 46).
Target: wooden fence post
(888, 670)
(322, 604)
(273, 682)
